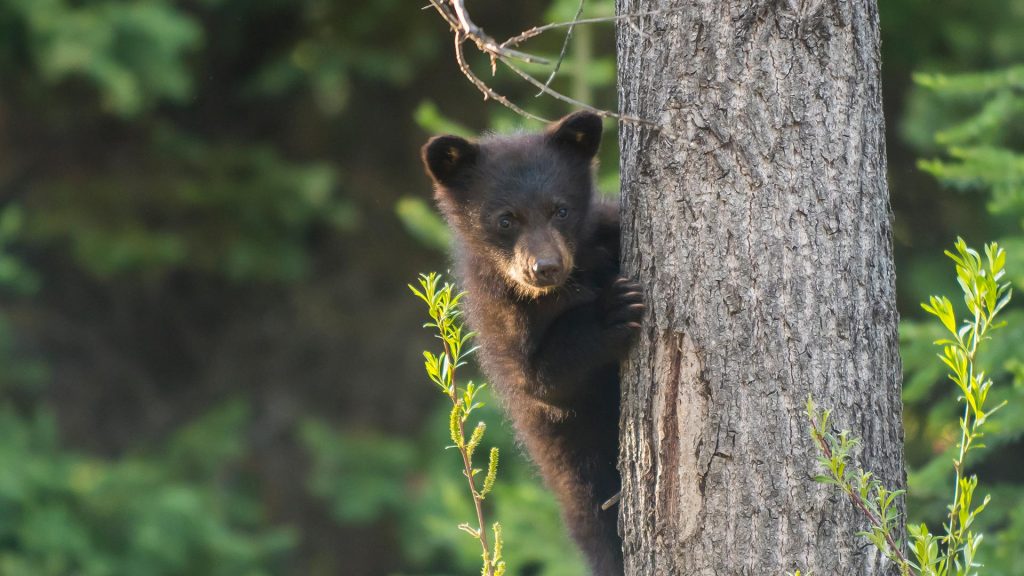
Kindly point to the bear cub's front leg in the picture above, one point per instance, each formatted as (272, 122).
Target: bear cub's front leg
(584, 339)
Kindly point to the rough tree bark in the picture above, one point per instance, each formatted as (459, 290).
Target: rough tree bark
(756, 215)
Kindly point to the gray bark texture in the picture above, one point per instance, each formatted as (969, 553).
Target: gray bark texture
(756, 216)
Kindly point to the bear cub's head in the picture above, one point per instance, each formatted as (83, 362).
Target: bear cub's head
(519, 204)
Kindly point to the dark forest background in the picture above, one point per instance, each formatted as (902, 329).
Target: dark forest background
(209, 212)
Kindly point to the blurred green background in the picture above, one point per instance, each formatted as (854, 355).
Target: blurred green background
(209, 212)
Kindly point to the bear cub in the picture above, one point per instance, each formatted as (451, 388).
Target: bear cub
(539, 258)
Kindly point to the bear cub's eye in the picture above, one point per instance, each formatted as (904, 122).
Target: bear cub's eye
(505, 222)
(562, 213)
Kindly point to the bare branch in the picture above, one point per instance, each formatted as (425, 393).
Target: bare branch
(482, 86)
(485, 43)
(467, 24)
(443, 10)
(559, 96)
(465, 30)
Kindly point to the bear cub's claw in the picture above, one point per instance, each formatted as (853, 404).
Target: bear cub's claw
(623, 308)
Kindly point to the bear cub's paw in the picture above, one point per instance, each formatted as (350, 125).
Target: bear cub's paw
(622, 311)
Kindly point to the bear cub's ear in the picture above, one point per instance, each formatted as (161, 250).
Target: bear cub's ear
(446, 157)
(579, 132)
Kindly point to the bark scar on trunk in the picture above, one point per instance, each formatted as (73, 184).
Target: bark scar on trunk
(679, 414)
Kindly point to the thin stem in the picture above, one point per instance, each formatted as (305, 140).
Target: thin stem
(538, 30)
(468, 464)
(953, 541)
(953, 537)
(565, 47)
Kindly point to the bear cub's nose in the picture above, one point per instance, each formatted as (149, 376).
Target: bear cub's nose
(546, 271)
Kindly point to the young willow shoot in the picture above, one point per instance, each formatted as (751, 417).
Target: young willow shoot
(952, 553)
(443, 307)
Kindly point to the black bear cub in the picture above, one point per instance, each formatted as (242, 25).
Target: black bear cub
(538, 256)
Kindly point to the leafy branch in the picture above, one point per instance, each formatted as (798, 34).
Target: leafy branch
(951, 554)
(865, 492)
(443, 307)
(985, 298)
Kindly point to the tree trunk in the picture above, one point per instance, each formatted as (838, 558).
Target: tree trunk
(756, 216)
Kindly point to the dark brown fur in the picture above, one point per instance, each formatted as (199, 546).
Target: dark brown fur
(554, 316)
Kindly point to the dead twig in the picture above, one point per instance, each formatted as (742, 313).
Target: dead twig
(611, 501)
(482, 86)
(458, 19)
(559, 96)
(465, 30)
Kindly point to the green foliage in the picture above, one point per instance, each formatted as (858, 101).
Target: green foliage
(429, 117)
(241, 211)
(423, 223)
(981, 145)
(443, 307)
(173, 512)
(217, 194)
(955, 552)
(179, 510)
(372, 470)
(132, 54)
